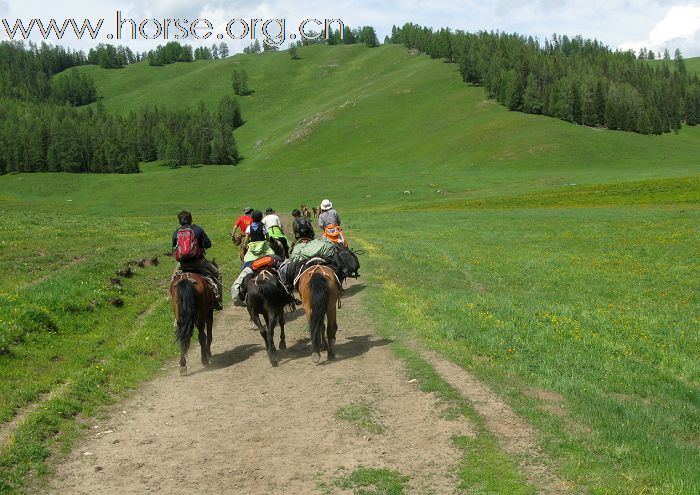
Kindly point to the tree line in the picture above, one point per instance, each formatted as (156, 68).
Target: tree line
(42, 128)
(363, 34)
(25, 72)
(37, 137)
(573, 79)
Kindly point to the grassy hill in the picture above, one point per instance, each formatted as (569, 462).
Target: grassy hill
(541, 255)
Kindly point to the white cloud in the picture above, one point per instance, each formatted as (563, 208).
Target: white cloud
(680, 28)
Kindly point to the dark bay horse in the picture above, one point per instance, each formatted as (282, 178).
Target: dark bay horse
(320, 294)
(193, 303)
(267, 296)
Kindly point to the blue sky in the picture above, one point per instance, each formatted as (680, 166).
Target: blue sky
(627, 24)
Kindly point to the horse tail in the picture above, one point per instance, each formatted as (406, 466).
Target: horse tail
(187, 313)
(319, 306)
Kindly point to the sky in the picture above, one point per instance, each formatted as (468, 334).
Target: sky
(624, 24)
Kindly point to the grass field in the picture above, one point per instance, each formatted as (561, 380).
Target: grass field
(542, 256)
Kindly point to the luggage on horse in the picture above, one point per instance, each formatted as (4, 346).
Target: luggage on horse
(349, 263)
(316, 251)
(322, 248)
(264, 262)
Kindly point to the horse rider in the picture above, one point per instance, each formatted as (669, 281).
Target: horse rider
(301, 226)
(255, 246)
(190, 243)
(240, 226)
(329, 221)
(274, 229)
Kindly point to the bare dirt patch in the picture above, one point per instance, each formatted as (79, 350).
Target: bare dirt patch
(242, 426)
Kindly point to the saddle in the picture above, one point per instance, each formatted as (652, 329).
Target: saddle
(270, 273)
(185, 274)
(310, 263)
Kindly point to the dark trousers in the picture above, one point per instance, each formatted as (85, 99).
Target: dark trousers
(206, 268)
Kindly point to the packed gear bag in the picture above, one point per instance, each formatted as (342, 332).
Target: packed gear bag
(264, 262)
(349, 262)
(187, 248)
(334, 234)
(316, 248)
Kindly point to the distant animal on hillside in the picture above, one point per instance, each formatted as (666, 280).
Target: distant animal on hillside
(317, 211)
(305, 211)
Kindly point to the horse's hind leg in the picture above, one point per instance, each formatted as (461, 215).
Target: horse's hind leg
(324, 343)
(271, 321)
(331, 329)
(210, 324)
(203, 343)
(283, 343)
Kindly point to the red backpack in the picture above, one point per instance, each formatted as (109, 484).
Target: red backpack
(187, 247)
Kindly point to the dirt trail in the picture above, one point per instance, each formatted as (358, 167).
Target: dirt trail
(242, 426)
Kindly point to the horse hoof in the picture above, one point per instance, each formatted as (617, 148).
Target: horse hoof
(283, 345)
(274, 363)
(183, 370)
(315, 357)
(331, 357)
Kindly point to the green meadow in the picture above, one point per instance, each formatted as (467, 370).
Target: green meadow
(549, 259)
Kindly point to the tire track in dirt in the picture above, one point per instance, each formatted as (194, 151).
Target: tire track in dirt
(515, 436)
(242, 426)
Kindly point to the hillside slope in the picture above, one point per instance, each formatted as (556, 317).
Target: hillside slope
(386, 114)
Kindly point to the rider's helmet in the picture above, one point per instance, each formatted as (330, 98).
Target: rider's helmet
(247, 210)
(269, 210)
(296, 212)
(257, 216)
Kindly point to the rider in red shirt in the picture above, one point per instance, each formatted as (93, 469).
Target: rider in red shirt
(241, 224)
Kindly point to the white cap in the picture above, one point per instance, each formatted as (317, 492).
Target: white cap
(326, 204)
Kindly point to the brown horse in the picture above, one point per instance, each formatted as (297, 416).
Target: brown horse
(305, 212)
(193, 303)
(317, 211)
(320, 293)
